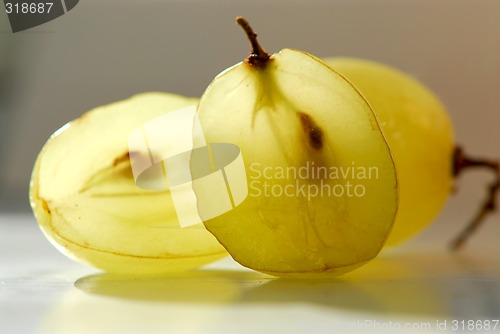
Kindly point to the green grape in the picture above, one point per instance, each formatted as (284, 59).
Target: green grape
(290, 112)
(420, 136)
(85, 199)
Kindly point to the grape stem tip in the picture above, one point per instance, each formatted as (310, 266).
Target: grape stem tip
(257, 55)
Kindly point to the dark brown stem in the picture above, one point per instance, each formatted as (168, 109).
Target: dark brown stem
(463, 162)
(258, 55)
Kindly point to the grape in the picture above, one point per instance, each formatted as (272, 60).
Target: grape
(419, 133)
(291, 112)
(85, 199)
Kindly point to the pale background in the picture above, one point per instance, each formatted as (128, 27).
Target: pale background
(103, 51)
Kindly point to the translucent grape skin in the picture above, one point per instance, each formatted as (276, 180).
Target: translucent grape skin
(86, 202)
(419, 132)
(287, 110)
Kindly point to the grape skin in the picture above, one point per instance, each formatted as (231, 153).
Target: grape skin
(87, 204)
(419, 132)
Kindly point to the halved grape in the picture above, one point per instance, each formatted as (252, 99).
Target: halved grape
(85, 199)
(290, 113)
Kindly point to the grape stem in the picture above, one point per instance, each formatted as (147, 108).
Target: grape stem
(258, 55)
(463, 162)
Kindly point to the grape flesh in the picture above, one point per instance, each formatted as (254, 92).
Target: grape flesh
(294, 112)
(420, 136)
(86, 202)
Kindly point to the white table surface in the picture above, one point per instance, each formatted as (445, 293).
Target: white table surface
(420, 284)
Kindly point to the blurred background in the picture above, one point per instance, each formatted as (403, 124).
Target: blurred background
(104, 51)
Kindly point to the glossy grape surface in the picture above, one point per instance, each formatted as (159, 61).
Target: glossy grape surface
(420, 136)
